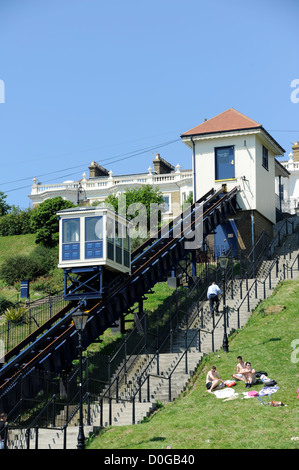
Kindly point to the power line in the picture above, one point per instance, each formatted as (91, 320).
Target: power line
(109, 160)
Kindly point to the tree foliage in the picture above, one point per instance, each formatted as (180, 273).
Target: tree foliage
(148, 196)
(44, 220)
(16, 222)
(143, 206)
(4, 207)
(19, 267)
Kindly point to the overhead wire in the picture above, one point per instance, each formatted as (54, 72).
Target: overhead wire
(109, 160)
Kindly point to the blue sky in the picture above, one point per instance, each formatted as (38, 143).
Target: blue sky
(104, 80)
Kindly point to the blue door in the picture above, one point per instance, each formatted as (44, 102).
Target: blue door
(224, 163)
(225, 238)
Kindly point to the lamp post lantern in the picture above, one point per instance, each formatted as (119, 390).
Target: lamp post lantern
(223, 260)
(79, 318)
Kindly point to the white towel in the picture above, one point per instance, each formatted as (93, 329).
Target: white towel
(225, 393)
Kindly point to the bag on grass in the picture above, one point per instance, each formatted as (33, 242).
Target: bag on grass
(270, 383)
(259, 373)
(277, 403)
(230, 383)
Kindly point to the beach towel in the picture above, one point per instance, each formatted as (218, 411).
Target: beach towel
(268, 390)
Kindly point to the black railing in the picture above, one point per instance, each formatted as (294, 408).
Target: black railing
(37, 313)
(151, 342)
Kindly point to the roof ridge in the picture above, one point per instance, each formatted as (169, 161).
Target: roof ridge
(244, 116)
(225, 121)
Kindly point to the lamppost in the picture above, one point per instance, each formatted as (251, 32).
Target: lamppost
(79, 318)
(223, 260)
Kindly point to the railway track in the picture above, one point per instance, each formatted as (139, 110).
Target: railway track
(53, 346)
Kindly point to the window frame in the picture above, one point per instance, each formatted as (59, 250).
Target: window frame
(70, 250)
(216, 149)
(265, 158)
(167, 205)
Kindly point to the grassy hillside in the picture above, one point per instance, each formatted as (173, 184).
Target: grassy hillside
(199, 420)
(25, 245)
(10, 246)
(16, 244)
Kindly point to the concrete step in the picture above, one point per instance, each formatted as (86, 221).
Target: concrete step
(122, 413)
(47, 438)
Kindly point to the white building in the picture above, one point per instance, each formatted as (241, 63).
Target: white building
(289, 187)
(235, 150)
(175, 185)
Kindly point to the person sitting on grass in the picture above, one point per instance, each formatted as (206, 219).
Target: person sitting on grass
(212, 380)
(240, 367)
(249, 375)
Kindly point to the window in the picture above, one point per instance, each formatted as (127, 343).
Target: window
(93, 229)
(119, 234)
(110, 238)
(93, 237)
(70, 239)
(224, 163)
(265, 158)
(166, 203)
(71, 230)
(127, 248)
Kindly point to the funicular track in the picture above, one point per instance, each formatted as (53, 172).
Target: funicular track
(53, 346)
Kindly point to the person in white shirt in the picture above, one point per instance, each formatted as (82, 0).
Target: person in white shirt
(213, 295)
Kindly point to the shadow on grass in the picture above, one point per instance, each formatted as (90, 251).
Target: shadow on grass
(271, 339)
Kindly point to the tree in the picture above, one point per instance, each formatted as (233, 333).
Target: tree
(143, 206)
(129, 202)
(44, 220)
(4, 207)
(16, 222)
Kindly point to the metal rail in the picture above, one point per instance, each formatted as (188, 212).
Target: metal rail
(58, 335)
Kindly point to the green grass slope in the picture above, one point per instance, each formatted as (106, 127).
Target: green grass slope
(199, 420)
(16, 245)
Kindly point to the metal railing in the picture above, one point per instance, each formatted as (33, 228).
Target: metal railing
(37, 313)
(234, 288)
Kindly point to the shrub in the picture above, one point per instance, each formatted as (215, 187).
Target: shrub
(48, 257)
(17, 223)
(15, 314)
(40, 262)
(17, 268)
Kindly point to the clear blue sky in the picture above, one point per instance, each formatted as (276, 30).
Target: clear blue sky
(99, 80)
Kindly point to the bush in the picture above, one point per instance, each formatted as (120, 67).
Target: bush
(20, 267)
(15, 314)
(17, 268)
(48, 257)
(18, 223)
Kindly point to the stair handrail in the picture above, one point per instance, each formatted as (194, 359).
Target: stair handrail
(249, 290)
(277, 237)
(290, 267)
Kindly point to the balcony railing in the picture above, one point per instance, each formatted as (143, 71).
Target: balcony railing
(110, 181)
